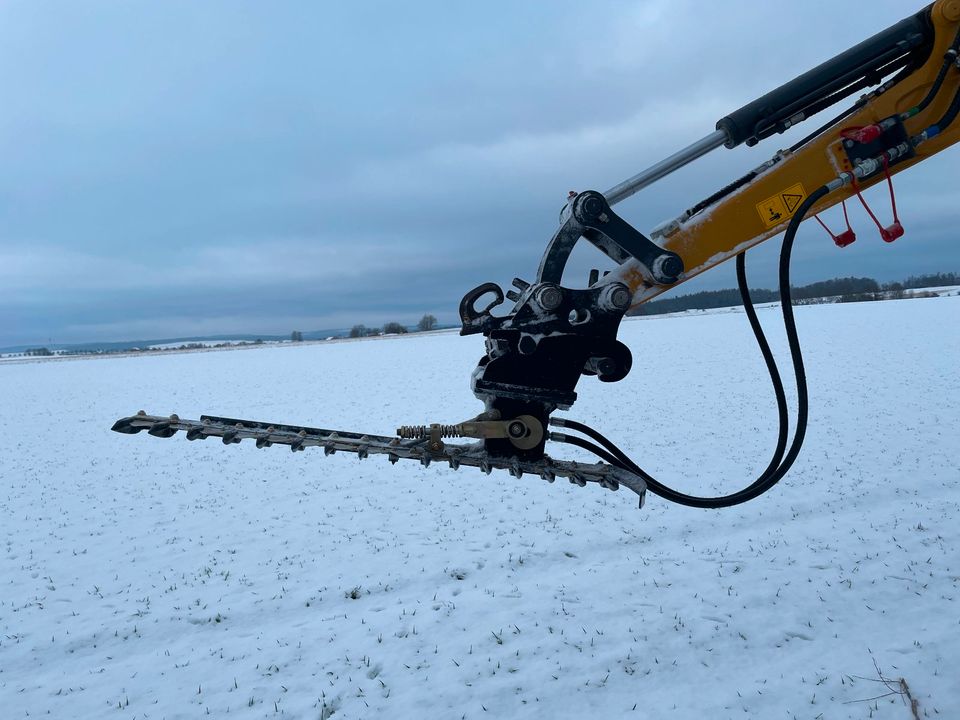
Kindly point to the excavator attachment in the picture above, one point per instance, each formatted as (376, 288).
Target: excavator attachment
(424, 447)
(536, 352)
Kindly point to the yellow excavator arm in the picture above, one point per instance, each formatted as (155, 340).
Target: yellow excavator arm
(921, 95)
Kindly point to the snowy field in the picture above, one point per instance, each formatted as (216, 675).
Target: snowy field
(148, 578)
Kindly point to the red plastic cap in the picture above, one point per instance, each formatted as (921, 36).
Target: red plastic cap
(892, 232)
(865, 134)
(847, 237)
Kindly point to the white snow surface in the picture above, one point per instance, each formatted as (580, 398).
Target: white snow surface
(149, 578)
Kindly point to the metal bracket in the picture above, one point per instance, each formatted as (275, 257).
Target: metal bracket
(588, 215)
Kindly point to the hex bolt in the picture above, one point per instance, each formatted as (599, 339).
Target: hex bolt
(589, 205)
(549, 297)
(615, 297)
(666, 268)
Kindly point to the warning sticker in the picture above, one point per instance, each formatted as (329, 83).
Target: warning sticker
(778, 208)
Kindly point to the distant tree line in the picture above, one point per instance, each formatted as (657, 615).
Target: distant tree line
(935, 280)
(849, 289)
(46, 352)
(426, 323)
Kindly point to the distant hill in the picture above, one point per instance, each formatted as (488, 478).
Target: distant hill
(131, 344)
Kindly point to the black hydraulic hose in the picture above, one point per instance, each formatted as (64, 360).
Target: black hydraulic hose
(949, 116)
(769, 360)
(934, 89)
(614, 457)
(769, 478)
(949, 59)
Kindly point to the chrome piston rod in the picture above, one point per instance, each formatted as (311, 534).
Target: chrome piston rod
(665, 167)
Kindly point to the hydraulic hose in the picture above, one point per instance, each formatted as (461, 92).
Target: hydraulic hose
(948, 117)
(949, 59)
(778, 467)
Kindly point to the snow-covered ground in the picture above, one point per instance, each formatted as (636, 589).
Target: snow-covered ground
(146, 578)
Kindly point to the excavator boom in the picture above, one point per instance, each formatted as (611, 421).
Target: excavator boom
(916, 105)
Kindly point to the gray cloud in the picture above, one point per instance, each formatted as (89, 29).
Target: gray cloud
(170, 169)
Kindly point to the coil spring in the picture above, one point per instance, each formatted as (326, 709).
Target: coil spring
(413, 432)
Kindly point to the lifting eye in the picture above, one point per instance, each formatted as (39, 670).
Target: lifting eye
(469, 314)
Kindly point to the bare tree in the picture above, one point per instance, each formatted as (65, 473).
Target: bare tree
(427, 322)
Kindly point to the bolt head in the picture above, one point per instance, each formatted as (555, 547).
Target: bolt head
(591, 205)
(667, 268)
(620, 298)
(550, 297)
(516, 429)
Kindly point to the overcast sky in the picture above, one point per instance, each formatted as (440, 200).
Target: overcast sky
(181, 168)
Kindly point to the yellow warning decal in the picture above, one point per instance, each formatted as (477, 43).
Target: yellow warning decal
(780, 207)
